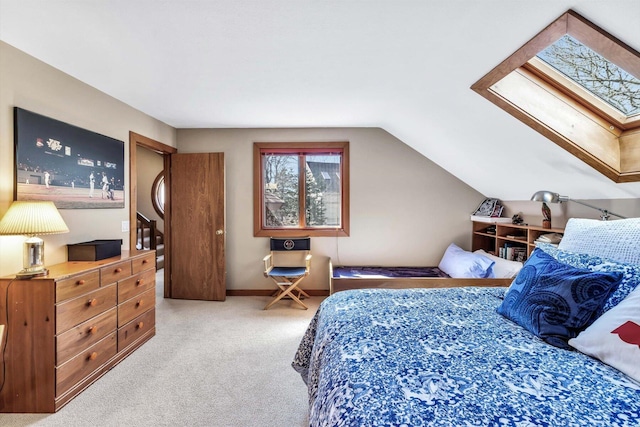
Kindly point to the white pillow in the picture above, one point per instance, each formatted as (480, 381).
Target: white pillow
(618, 240)
(503, 268)
(614, 337)
(458, 263)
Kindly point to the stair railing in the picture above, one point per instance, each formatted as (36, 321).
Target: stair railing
(144, 222)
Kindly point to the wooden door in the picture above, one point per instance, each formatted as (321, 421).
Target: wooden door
(197, 226)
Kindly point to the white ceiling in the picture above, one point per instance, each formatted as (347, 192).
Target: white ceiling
(405, 66)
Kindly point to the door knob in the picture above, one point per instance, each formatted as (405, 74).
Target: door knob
(219, 232)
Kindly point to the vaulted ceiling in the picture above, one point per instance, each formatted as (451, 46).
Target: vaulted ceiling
(404, 66)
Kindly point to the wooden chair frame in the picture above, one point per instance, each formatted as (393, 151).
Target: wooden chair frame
(289, 281)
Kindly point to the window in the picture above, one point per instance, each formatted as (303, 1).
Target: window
(298, 190)
(157, 194)
(578, 86)
(600, 82)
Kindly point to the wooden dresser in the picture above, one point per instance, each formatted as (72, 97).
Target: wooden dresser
(66, 330)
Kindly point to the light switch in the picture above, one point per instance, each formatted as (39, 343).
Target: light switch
(125, 226)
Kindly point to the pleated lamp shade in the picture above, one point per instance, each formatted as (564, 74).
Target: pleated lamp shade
(32, 218)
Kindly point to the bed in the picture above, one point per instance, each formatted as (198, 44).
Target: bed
(456, 268)
(343, 278)
(446, 357)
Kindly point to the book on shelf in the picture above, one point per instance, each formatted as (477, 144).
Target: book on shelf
(516, 236)
(520, 254)
(513, 252)
(553, 238)
(547, 243)
(490, 219)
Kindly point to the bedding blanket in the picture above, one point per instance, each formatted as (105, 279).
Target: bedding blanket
(444, 357)
(386, 272)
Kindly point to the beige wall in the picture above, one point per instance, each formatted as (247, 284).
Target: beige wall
(405, 210)
(33, 85)
(149, 165)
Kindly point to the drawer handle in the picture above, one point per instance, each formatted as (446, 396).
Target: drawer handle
(139, 282)
(80, 282)
(92, 356)
(145, 261)
(139, 303)
(92, 330)
(92, 302)
(118, 270)
(140, 325)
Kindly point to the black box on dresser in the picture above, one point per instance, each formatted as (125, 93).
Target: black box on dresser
(94, 250)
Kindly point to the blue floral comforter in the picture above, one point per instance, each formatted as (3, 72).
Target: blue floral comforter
(444, 357)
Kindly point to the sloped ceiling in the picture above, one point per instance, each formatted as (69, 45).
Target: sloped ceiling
(404, 66)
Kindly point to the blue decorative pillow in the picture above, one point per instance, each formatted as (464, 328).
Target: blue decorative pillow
(555, 301)
(630, 273)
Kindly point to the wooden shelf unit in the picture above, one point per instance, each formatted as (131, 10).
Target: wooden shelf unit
(526, 236)
(67, 329)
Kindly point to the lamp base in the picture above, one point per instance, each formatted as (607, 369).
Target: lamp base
(546, 223)
(29, 274)
(33, 259)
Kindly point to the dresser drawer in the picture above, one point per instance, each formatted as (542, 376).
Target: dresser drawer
(73, 312)
(76, 369)
(133, 330)
(115, 272)
(128, 288)
(77, 285)
(85, 335)
(129, 310)
(144, 263)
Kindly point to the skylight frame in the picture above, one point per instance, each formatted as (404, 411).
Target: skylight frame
(613, 145)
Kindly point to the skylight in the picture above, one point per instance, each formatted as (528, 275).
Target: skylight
(594, 73)
(578, 86)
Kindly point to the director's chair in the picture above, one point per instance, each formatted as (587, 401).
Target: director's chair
(288, 263)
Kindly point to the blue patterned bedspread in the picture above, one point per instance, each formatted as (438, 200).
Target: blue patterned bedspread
(386, 272)
(444, 357)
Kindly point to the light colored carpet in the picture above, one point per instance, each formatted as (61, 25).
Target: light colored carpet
(210, 364)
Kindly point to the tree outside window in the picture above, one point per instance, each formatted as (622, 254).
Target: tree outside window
(595, 73)
(300, 189)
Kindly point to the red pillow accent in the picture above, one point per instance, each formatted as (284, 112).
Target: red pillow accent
(628, 332)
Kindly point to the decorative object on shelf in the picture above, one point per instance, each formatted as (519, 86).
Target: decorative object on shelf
(546, 216)
(517, 219)
(31, 219)
(551, 197)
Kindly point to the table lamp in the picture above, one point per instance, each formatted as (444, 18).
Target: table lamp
(551, 197)
(32, 218)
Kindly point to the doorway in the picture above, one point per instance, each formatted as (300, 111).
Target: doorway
(136, 141)
(194, 225)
